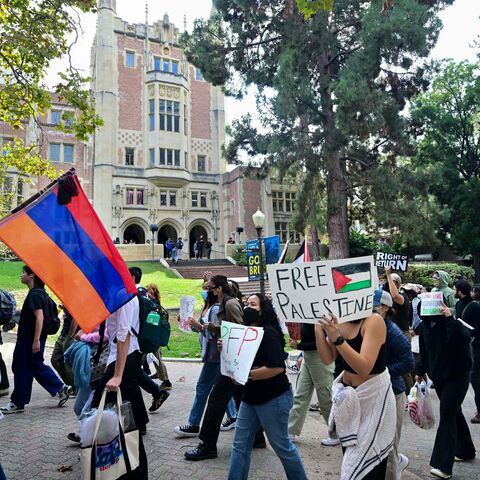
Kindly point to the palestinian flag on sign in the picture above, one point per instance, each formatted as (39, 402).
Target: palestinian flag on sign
(348, 278)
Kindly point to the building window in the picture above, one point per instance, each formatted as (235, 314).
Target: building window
(169, 115)
(277, 201)
(194, 199)
(67, 153)
(130, 196)
(186, 159)
(56, 117)
(55, 152)
(19, 191)
(282, 229)
(201, 163)
(6, 143)
(203, 200)
(166, 65)
(129, 156)
(173, 199)
(152, 156)
(169, 157)
(288, 202)
(130, 59)
(198, 74)
(163, 199)
(157, 62)
(151, 114)
(175, 67)
(140, 197)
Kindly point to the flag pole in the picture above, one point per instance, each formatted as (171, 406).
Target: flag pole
(42, 191)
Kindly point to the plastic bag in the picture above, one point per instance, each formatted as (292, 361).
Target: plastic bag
(420, 406)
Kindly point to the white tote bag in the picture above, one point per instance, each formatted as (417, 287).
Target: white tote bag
(109, 461)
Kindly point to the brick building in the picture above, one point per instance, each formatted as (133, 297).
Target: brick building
(157, 158)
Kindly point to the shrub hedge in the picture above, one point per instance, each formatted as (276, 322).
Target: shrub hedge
(422, 272)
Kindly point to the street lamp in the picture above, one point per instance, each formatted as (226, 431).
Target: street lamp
(259, 221)
(153, 229)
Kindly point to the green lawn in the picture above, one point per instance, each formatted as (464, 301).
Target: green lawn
(171, 289)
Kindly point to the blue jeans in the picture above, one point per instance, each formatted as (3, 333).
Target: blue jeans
(205, 382)
(273, 416)
(27, 366)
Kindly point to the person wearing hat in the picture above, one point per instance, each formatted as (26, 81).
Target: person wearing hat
(399, 361)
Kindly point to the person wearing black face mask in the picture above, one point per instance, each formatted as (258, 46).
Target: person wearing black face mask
(445, 356)
(206, 327)
(267, 398)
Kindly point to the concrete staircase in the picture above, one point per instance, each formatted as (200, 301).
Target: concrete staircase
(195, 268)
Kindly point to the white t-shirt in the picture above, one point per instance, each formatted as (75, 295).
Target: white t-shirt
(119, 325)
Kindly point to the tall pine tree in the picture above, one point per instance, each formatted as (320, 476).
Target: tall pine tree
(331, 88)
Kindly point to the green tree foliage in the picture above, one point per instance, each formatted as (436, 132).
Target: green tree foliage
(32, 34)
(331, 89)
(311, 7)
(445, 119)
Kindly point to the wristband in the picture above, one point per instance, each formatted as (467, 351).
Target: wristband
(338, 341)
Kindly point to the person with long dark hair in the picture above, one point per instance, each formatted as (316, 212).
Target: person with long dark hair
(363, 408)
(446, 357)
(206, 327)
(224, 389)
(267, 397)
(28, 362)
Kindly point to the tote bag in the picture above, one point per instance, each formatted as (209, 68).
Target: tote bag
(109, 461)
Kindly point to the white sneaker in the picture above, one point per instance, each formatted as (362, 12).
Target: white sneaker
(402, 463)
(438, 473)
(330, 441)
(11, 408)
(63, 395)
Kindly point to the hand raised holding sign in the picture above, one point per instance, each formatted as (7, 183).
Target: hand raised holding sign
(330, 326)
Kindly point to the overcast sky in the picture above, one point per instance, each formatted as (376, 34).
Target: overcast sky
(461, 27)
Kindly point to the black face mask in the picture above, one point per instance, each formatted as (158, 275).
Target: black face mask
(212, 298)
(250, 316)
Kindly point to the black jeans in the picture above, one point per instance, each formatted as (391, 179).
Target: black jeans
(223, 390)
(129, 388)
(475, 375)
(4, 384)
(453, 437)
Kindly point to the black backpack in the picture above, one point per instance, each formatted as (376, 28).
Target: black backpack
(51, 322)
(8, 306)
(154, 326)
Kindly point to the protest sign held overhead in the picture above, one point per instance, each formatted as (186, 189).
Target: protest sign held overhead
(239, 347)
(395, 260)
(432, 303)
(303, 292)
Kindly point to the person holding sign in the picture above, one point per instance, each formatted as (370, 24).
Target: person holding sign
(224, 389)
(363, 408)
(441, 279)
(446, 357)
(267, 398)
(206, 326)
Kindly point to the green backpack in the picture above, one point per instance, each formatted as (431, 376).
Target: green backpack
(154, 326)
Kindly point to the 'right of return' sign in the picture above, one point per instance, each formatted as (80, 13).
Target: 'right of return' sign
(394, 260)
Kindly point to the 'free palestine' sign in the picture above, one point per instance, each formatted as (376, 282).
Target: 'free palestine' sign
(303, 292)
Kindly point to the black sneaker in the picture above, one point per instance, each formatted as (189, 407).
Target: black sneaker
(166, 385)
(74, 437)
(187, 430)
(63, 395)
(202, 452)
(158, 402)
(228, 424)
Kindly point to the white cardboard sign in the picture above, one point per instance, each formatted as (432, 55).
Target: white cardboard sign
(239, 347)
(187, 309)
(303, 292)
(395, 260)
(432, 303)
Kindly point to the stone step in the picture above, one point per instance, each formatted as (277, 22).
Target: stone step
(203, 263)
(196, 272)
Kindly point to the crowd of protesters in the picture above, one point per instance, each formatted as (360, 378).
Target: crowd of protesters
(361, 371)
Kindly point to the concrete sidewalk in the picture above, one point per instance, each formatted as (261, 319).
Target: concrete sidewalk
(33, 444)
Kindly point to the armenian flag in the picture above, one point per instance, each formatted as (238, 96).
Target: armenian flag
(60, 237)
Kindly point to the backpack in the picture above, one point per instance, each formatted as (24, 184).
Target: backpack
(8, 306)
(154, 327)
(51, 322)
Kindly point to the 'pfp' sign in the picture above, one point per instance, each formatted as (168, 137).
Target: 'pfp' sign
(239, 347)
